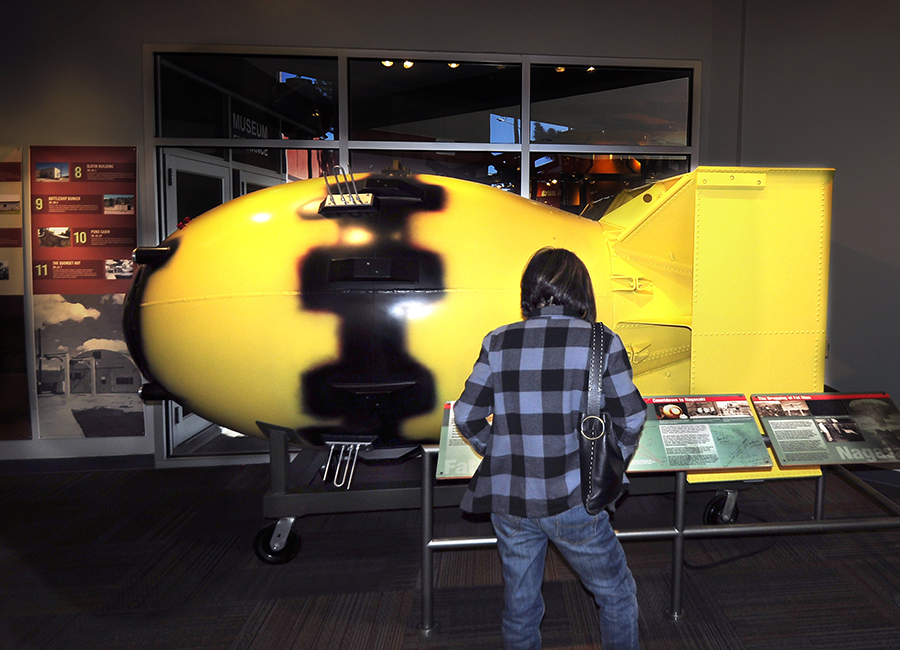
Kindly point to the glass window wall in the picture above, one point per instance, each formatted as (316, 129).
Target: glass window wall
(434, 115)
(592, 105)
(250, 97)
(587, 184)
(414, 100)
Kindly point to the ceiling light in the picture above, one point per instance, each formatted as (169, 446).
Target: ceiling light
(453, 65)
(387, 64)
(408, 64)
(591, 68)
(560, 69)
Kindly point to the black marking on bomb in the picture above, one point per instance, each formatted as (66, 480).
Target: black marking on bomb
(375, 383)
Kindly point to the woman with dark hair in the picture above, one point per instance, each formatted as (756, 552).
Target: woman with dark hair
(531, 377)
(555, 276)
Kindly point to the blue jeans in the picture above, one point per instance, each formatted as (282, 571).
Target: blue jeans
(590, 546)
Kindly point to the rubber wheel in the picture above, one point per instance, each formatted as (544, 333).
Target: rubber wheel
(264, 550)
(713, 514)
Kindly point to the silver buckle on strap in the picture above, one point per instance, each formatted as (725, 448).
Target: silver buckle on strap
(602, 427)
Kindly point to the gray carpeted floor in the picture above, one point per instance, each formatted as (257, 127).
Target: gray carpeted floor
(164, 559)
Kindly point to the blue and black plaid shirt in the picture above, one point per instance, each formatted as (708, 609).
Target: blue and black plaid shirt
(532, 376)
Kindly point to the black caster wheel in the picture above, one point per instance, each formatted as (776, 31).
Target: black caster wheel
(715, 513)
(264, 551)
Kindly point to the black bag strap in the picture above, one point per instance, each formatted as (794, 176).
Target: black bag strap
(593, 427)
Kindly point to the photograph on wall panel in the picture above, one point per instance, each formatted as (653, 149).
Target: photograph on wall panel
(87, 381)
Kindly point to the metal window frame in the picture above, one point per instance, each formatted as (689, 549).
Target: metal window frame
(345, 145)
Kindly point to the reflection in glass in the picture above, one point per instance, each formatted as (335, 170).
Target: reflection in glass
(283, 165)
(434, 101)
(589, 184)
(256, 97)
(610, 106)
(309, 163)
(500, 170)
(197, 193)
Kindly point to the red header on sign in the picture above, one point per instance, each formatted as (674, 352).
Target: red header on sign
(818, 397)
(694, 398)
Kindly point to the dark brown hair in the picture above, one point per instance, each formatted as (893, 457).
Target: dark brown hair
(556, 276)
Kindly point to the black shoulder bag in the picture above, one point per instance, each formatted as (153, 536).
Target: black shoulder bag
(602, 464)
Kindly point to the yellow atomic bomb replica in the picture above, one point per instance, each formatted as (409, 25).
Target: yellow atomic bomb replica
(327, 311)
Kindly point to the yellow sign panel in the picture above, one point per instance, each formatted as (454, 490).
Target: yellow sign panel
(773, 472)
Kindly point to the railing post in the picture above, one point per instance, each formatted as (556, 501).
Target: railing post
(820, 496)
(678, 545)
(428, 625)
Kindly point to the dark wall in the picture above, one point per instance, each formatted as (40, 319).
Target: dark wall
(821, 91)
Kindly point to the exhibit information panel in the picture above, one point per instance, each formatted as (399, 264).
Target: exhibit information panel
(695, 432)
(83, 218)
(456, 459)
(699, 432)
(831, 428)
(82, 233)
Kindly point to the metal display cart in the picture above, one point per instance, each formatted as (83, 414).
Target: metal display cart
(357, 479)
